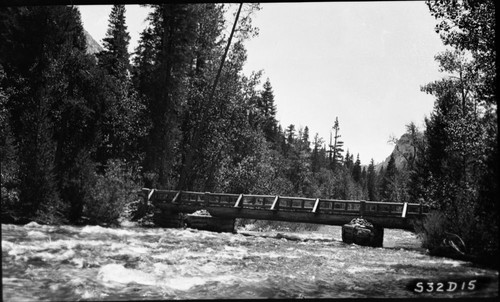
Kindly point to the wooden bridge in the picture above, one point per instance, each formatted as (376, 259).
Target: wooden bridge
(282, 208)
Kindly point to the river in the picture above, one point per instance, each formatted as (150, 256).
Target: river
(69, 263)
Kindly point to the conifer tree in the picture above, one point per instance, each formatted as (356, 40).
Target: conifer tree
(115, 56)
(316, 160)
(268, 109)
(363, 181)
(387, 186)
(335, 156)
(356, 170)
(165, 57)
(348, 163)
(290, 139)
(302, 143)
(371, 181)
(123, 123)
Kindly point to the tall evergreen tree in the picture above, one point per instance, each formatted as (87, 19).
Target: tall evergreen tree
(115, 56)
(335, 156)
(348, 163)
(165, 57)
(123, 124)
(356, 170)
(289, 139)
(363, 182)
(316, 160)
(371, 181)
(268, 109)
(388, 180)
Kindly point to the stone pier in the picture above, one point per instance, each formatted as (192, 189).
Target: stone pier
(363, 232)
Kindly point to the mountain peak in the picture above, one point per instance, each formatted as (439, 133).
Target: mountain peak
(404, 147)
(92, 45)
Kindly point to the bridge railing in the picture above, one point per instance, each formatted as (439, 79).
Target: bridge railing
(284, 203)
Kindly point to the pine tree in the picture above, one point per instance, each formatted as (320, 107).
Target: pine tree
(303, 143)
(356, 170)
(348, 163)
(387, 187)
(268, 110)
(165, 53)
(223, 107)
(290, 134)
(371, 181)
(124, 123)
(115, 56)
(335, 156)
(316, 160)
(363, 182)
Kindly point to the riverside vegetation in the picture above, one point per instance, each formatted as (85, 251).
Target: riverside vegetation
(81, 132)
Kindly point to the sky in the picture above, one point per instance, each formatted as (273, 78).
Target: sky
(363, 62)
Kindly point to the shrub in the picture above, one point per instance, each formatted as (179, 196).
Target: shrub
(432, 231)
(112, 193)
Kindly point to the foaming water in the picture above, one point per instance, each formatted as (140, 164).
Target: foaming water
(97, 263)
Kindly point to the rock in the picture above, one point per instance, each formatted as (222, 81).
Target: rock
(362, 232)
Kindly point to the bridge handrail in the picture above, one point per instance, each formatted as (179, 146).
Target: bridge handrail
(364, 205)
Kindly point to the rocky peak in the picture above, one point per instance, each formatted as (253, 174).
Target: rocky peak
(92, 46)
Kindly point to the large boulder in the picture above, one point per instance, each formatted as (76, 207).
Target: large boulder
(362, 232)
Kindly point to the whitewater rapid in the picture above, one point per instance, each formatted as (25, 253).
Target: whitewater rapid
(68, 263)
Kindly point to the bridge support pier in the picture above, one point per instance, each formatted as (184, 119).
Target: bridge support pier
(362, 232)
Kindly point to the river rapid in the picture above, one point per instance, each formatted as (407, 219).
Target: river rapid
(69, 263)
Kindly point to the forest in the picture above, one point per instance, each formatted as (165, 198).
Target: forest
(82, 132)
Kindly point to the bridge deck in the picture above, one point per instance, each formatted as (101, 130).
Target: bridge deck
(282, 208)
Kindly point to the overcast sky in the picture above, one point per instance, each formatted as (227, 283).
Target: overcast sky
(363, 62)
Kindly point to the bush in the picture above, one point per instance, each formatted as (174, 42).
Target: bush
(432, 231)
(9, 186)
(111, 194)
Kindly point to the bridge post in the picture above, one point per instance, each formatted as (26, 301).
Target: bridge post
(362, 207)
(275, 204)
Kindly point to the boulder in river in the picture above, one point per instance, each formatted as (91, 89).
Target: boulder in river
(362, 232)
